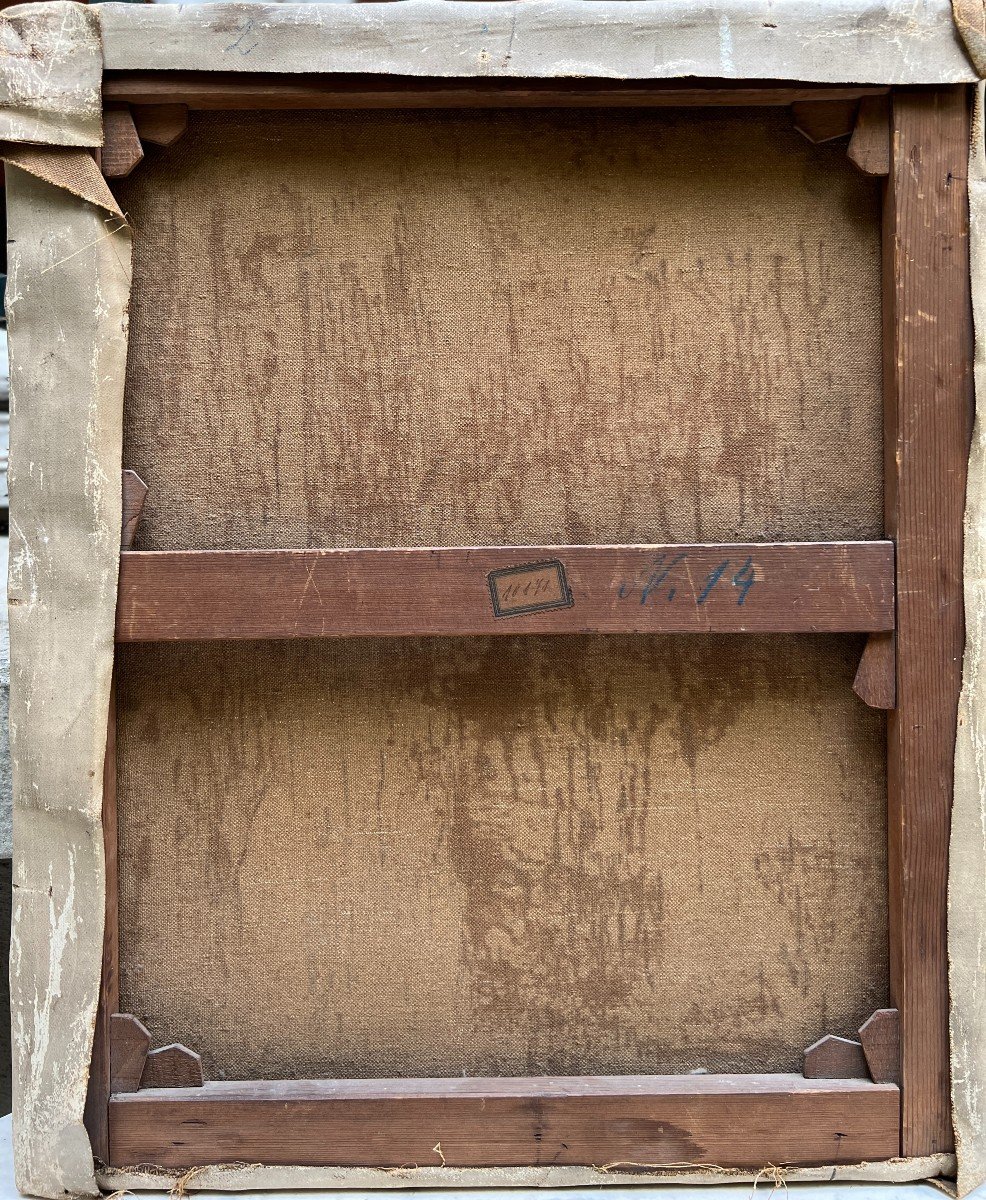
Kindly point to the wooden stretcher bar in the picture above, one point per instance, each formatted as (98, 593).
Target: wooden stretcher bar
(794, 587)
(778, 1118)
(245, 90)
(603, 1121)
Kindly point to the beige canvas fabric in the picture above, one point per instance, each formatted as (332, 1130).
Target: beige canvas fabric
(967, 852)
(51, 76)
(85, 271)
(542, 240)
(879, 41)
(458, 821)
(69, 274)
(970, 20)
(246, 1178)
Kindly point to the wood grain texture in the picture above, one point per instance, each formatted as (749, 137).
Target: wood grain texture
(928, 360)
(238, 90)
(869, 146)
(835, 1058)
(823, 121)
(731, 1120)
(134, 495)
(173, 1066)
(793, 587)
(880, 1039)
(130, 1042)
(876, 680)
(98, 1094)
(121, 150)
(160, 124)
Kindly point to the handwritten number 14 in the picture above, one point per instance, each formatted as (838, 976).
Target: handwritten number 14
(742, 580)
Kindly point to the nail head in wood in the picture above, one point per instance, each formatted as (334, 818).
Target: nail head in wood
(880, 1039)
(160, 124)
(876, 677)
(824, 120)
(134, 495)
(869, 146)
(121, 150)
(835, 1058)
(173, 1066)
(129, 1044)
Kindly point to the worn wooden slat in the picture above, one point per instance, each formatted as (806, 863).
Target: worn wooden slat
(236, 90)
(869, 146)
(784, 587)
(928, 358)
(121, 150)
(835, 1058)
(880, 1039)
(876, 677)
(129, 1043)
(732, 1120)
(824, 120)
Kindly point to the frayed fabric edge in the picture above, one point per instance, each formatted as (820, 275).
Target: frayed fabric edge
(240, 1177)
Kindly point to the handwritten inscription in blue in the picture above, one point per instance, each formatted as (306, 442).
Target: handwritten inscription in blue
(668, 572)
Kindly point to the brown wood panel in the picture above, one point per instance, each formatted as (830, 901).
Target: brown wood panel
(173, 1066)
(772, 587)
(880, 1039)
(876, 679)
(869, 146)
(928, 359)
(823, 121)
(242, 90)
(160, 124)
(834, 1057)
(97, 1096)
(121, 150)
(731, 1120)
(103, 1068)
(134, 495)
(130, 1042)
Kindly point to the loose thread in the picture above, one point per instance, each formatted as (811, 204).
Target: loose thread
(87, 246)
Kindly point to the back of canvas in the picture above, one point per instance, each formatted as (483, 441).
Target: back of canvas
(509, 855)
